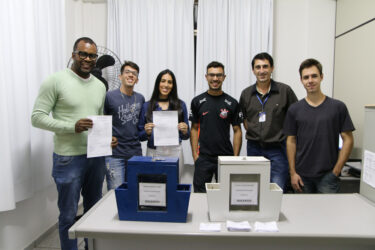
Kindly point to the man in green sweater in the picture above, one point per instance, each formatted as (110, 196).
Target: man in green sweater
(72, 95)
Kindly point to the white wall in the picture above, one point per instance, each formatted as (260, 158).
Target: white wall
(31, 218)
(303, 28)
(351, 13)
(85, 19)
(354, 62)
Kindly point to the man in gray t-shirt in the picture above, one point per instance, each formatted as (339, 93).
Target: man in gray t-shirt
(313, 126)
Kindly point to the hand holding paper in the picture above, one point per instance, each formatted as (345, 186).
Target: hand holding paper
(99, 136)
(165, 128)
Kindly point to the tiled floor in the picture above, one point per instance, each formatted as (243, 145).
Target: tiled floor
(52, 242)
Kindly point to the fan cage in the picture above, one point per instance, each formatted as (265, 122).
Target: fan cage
(110, 73)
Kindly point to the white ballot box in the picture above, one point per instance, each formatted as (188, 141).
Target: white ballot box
(244, 191)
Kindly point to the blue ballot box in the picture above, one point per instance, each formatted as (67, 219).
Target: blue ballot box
(152, 192)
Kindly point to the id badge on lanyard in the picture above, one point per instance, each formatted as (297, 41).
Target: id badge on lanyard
(262, 114)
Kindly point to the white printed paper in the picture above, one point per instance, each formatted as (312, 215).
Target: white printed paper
(210, 227)
(266, 226)
(244, 193)
(152, 194)
(99, 136)
(369, 168)
(166, 128)
(238, 226)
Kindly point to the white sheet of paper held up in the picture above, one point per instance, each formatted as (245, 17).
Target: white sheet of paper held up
(165, 130)
(99, 136)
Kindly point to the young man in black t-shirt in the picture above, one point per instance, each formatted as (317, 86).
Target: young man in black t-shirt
(212, 113)
(313, 126)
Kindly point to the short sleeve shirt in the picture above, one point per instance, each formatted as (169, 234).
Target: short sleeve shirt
(317, 132)
(215, 115)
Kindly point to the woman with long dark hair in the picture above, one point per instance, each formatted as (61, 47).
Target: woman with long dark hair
(164, 97)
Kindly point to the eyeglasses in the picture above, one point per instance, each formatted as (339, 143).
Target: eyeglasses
(134, 73)
(83, 55)
(212, 75)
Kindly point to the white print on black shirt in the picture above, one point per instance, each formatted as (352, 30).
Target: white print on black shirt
(228, 102)
(202, 100)
(128, 113)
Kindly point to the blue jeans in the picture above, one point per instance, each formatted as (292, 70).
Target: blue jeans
(328, 183)
(74, 175)
(115, 171)
(277, 156)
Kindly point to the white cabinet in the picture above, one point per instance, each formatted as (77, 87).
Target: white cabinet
(368, 144)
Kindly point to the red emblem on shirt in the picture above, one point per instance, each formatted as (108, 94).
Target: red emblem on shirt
(223, 113)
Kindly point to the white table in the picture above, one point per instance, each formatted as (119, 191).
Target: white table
(307, 221)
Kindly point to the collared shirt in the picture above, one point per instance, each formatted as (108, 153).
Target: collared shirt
(260, 92)
(279, 99)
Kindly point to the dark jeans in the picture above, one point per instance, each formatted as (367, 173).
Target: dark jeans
(74, 175)
(205, 169)
(279, 162)
(328, 183)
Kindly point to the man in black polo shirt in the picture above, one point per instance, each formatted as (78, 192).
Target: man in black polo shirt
(264, 106)
(212, 113)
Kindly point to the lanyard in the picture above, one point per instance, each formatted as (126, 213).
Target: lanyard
(262, 103)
